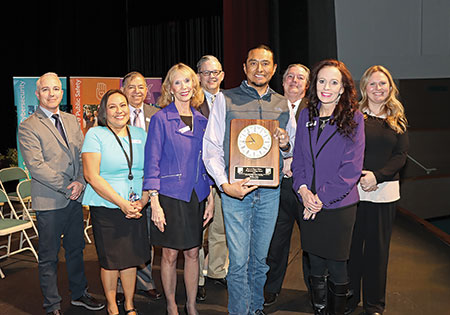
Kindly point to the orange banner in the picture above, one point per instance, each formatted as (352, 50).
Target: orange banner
(85, 96)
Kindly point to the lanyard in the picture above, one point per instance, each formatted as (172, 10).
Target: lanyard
(129, 158)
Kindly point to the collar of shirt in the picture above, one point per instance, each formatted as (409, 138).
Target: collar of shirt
(141, 115)
(208, 97)
(369, 112)
(261, 96)
(49, 113)
(132, 113)
(296, 104)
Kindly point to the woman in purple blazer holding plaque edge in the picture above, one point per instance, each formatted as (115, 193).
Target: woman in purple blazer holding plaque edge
(176, 178)
(327, 164)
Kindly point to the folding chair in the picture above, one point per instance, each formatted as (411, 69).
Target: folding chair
(14, 225)
(88, 224)
(10, 174)
(24, 194)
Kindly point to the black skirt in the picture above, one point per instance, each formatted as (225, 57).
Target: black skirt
(184, 223)
(329, 235)
(120, 242)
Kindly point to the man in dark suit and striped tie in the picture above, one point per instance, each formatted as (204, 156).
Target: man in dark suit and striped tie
(295, 84)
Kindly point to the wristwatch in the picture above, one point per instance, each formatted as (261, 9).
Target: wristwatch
(153, 194)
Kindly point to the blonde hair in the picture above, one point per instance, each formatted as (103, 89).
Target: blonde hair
(392, 107)
(166, 97)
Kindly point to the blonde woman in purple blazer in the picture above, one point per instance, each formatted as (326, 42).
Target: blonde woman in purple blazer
(327, 164)
(177, 181)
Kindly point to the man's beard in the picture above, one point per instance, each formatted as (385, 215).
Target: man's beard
(258, 84)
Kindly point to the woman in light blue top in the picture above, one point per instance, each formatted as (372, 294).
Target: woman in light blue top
(113, 162)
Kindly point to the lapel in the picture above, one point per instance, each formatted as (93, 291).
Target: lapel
(149, 111)
(51, 126)
(197, 118)
(199, 123)
(303, 104)
(204, 108)
(327, 133)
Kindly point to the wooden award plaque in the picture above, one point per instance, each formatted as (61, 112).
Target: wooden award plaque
(254, 152)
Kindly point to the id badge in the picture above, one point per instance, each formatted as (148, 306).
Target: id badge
(133, 197)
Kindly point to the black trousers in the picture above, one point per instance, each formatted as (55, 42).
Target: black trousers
(369, 254)
(51, 225)
(290, 211)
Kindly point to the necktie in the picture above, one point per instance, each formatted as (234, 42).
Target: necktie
(137, 121)
(58, 126)
(213, 98)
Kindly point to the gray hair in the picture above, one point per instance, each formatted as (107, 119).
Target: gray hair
(206, 58)
(130, 76)
(299, 66)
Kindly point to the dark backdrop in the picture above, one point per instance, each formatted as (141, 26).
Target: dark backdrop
(99, 38)
(104, 38)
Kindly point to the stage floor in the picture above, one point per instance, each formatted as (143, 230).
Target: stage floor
(418, 280)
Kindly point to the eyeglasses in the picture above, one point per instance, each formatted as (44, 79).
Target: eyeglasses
(213, 73)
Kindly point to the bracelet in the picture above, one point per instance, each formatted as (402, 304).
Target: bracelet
(286, 148)
(154, 193)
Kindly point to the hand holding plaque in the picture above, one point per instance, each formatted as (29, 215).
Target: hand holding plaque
(254, 152)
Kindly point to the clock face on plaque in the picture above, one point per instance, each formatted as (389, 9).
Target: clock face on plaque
(254, 141)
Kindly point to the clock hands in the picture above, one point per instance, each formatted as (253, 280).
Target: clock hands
(250, 135)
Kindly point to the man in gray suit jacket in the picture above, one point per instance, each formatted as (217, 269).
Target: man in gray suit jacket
(135, 88)
(50, 142)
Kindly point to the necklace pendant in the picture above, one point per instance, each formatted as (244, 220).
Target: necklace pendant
(130, 176)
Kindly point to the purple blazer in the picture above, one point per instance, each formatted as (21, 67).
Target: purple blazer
(173, 155)
(336, 160)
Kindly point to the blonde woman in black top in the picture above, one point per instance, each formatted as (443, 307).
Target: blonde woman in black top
(379, 188)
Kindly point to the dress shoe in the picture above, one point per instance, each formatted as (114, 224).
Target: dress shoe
(133, 310)
(270, 298)
(221, 281)
(55, 312)
(370, 313)
(89, 302)
(153, 294)
(201, 293)
(120, 298)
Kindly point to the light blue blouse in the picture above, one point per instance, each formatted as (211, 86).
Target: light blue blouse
(113, 163)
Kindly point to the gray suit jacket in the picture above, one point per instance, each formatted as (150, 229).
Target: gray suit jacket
(149, 111)
(52, 164)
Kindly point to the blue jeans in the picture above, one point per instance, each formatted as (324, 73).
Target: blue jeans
(249, 225)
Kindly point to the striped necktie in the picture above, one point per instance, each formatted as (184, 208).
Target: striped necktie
(137, 121)
(58, 126)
